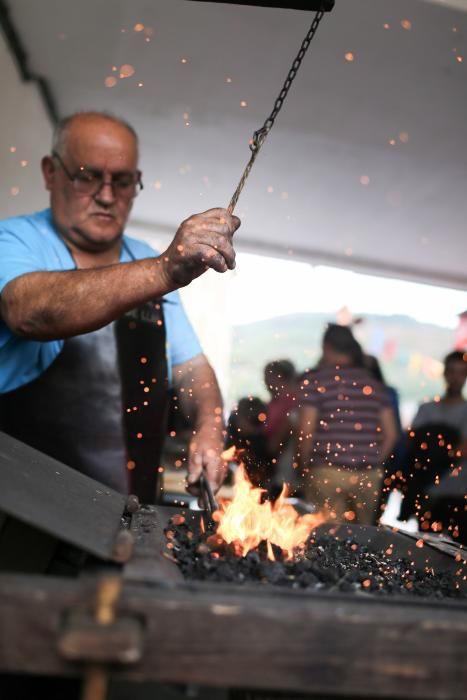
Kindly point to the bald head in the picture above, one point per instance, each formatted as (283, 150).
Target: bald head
(74, 123)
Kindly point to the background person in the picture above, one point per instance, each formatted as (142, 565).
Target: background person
(280, 377)
(346, 430)
(436, 468)
(246, 431)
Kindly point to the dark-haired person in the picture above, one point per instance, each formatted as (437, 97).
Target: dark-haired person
(451, 408)
(280, 378)
(436, 470)
(92, 328)
(246, 432)
(346, 430)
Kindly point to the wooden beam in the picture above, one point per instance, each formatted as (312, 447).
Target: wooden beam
(254, 637)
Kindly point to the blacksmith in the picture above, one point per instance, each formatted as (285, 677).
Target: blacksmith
(92, 329)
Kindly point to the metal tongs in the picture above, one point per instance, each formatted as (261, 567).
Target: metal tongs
(208, 501)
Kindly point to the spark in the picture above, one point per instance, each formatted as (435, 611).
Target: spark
(126, 71)
(138, 27)
(349, 57)
(243, 103)
(406, 24)
(110, 81)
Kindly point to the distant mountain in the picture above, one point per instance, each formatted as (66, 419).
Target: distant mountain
(410, 352)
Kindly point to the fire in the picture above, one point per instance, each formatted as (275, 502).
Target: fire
(246, 522)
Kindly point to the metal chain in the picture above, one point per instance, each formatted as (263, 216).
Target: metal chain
(259, 136)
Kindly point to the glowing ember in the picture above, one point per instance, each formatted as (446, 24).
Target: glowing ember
(246, 522)
(126, 71)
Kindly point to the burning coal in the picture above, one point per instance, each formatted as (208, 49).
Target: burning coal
(269, 543)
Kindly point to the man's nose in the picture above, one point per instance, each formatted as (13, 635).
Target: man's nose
(105, 193)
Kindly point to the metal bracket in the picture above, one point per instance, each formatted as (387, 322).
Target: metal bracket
(84, 639)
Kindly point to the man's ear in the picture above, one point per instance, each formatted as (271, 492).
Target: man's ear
(48, 171)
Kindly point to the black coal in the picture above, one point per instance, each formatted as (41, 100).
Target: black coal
(328, 563)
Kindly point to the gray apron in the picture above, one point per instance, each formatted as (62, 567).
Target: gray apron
(101, 407)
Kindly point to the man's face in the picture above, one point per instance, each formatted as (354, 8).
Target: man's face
(455, 374)
(91, 222)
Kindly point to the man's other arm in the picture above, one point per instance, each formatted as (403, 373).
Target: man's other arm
(201, 401)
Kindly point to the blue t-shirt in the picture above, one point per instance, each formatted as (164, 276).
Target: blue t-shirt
(32, 244)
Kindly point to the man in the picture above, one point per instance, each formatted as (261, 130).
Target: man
(280, 378)
(86, 313)
(346, 430)
(451, 409)
(436, 464)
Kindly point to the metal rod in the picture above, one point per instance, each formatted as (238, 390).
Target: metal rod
(96, 677)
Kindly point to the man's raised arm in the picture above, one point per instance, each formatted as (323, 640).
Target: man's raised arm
(56, 305)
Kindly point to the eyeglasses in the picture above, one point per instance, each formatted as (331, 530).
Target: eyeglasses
(90, 181)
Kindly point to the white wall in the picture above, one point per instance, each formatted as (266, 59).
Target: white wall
(25, 126)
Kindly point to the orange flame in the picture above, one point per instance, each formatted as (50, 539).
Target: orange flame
(245, 521)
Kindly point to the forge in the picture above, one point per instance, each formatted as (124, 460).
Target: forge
(62, 534)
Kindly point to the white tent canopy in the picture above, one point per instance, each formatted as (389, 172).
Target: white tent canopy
(366, 166)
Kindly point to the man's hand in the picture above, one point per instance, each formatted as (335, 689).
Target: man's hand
(203, 241)
(205, 452)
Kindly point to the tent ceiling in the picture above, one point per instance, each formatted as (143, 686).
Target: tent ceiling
(306, 196)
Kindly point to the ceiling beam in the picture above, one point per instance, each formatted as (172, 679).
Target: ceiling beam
(452, 4)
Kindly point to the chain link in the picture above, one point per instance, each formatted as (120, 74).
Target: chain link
(259, 136)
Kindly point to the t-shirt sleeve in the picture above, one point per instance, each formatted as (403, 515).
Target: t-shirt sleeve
(22, 251)
(422, 416)
(19, 254)
(182, 341)
(384, 396)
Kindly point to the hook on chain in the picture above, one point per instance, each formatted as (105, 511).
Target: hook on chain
(260, 135)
